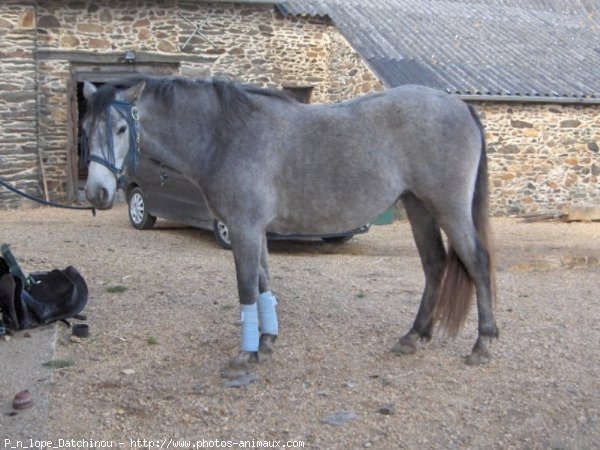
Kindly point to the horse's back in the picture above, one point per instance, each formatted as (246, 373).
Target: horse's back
(399, 125)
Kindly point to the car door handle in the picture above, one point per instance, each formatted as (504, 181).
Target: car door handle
(164, 175)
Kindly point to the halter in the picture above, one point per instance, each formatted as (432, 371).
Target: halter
(130, 113)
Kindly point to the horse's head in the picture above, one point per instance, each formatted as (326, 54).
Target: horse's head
(110, 130)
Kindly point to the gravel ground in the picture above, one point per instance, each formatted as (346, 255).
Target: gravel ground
(163, 314)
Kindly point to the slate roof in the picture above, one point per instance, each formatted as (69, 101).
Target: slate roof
(530, 49)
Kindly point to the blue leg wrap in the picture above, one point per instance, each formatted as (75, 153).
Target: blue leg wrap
(249, 320)
(267, 314)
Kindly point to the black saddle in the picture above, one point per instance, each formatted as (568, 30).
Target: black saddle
(49, 296)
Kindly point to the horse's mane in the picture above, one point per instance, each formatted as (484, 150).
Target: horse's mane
(235, 99)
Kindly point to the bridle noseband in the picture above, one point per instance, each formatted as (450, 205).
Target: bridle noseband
(130, 113)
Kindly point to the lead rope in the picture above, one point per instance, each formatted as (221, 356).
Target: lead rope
(45, 202)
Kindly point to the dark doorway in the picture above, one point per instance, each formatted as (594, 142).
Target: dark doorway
(301, 93)
(82, 164)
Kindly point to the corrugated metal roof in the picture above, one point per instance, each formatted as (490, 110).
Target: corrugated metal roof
(272, 2)
(523, 48)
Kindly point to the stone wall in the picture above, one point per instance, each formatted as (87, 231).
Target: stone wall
(18, 106)
(543, 157)
(349, 75)
(311, 52)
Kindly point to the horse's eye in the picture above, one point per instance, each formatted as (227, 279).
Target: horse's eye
(122, 130)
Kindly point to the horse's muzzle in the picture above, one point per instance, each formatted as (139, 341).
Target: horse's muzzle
(99, 197)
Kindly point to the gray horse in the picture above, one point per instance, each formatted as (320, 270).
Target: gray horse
(264, 160)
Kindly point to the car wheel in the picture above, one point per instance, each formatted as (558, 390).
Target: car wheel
(138, 214)
(338, 239)
(222, 234)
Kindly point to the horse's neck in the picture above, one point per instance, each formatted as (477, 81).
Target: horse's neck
(173, 137)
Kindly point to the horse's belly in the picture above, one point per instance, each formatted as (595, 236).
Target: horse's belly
(329, 207)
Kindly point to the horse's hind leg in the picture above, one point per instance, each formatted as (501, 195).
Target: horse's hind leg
(431, 249)
(474, 254)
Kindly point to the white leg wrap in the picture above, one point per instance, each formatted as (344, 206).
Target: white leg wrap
(249, 320)
(267, 314)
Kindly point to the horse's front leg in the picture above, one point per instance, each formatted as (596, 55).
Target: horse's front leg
(248, 246)
(267, 315)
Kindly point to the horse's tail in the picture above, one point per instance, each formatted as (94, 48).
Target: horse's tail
(456, 292)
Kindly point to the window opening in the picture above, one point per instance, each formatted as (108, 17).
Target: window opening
(301, 93)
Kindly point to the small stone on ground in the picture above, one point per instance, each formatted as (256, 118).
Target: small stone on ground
(340, 418)
(242, 381)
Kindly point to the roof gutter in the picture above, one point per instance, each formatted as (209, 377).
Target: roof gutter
(530, 99)
(558, 100)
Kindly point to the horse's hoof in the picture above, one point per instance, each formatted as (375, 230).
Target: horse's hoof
(239, 366)
(405, 346)
(480, 354)
(265, 347)
(477, 359)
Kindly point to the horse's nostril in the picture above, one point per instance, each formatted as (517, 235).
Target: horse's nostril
(102, 195)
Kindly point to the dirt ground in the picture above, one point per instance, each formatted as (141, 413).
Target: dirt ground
(163, 313)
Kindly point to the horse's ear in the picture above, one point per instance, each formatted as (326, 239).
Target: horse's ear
(88, 90)
(134, 92)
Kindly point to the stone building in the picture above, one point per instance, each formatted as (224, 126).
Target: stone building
(536, 86)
